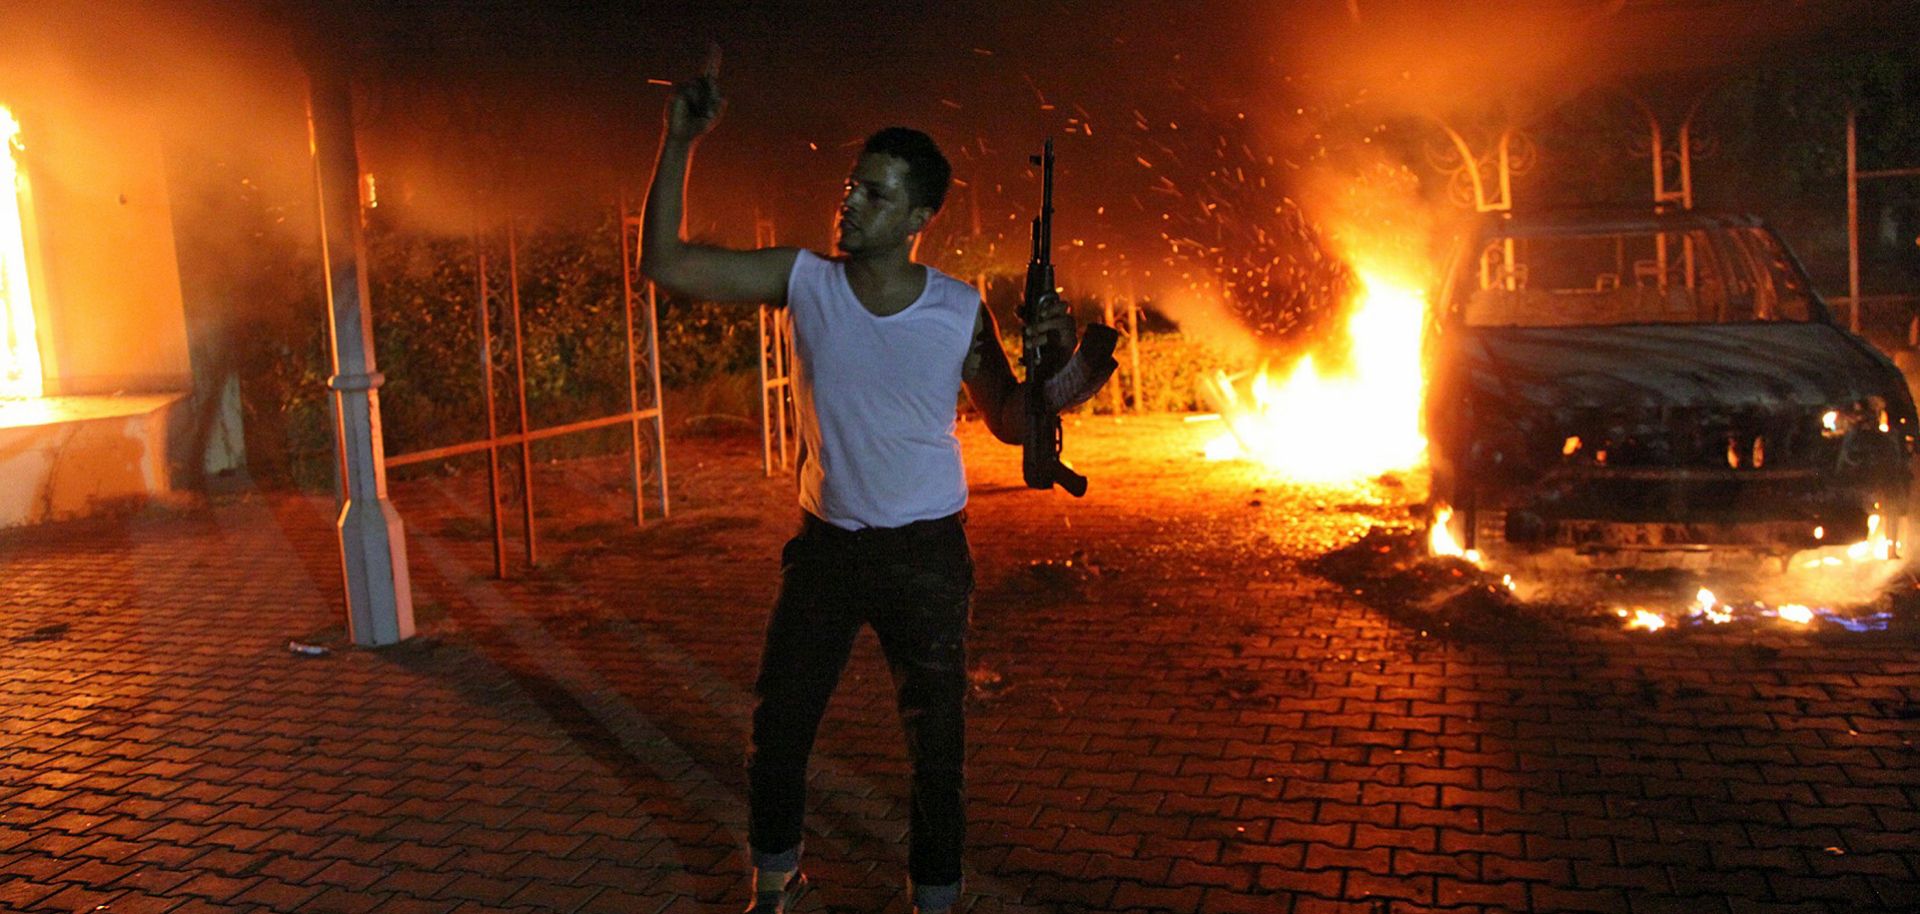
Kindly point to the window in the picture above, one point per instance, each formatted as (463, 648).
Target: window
(1694, 276)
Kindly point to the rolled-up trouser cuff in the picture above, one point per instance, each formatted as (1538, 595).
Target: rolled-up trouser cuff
(784, 862)
(936, 897)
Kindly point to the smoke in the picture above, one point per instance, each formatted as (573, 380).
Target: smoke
(165, 155)
(184, 76)
(1202, 156)
(1512, 60)
(1361, 104)
(1367, 94)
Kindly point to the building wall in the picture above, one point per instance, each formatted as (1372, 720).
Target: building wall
(66, 457)
(108, 303)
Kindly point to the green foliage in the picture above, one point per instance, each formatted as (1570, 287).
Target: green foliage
(426, 337)
(425, 293)
(288, 409)
(701, 341)
(1172, 367)
(572, 321)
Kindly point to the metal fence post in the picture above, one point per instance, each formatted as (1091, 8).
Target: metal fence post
(493, 422)
(520, 389)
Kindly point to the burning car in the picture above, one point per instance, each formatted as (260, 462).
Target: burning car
(1655, 389)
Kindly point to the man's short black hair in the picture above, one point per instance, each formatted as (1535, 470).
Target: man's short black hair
(928, 174)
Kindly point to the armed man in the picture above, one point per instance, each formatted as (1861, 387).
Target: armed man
(882, 346)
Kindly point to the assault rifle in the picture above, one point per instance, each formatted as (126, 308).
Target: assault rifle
(1040, 452)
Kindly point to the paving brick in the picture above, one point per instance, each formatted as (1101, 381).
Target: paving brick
(616, 901)
(1325, 883)
(1222, 901)
(1553, 871)
(73, 897)
(22, 892)
(141, 903)
(1374, 860)
(476, 887)
(570, 738)
(203, 906)
(1416, 863)
(214, 887)
(1231, 876)
(277, 895)
(1496, 895)
(1134, 895)
(553, 896)
(1559, 898)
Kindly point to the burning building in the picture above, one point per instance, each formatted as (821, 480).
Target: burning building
(94, 366)
(112, 390)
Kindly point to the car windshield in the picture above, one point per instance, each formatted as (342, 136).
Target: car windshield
(1695, 276)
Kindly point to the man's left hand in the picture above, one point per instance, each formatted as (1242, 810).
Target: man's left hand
(1051, 326)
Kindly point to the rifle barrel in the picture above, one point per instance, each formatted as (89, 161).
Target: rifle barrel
(1046, 202)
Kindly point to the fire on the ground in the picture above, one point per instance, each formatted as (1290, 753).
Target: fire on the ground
(1661, 387)
(1630, 389)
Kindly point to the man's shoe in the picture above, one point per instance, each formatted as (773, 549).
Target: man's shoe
(782, 901)
(935, 899)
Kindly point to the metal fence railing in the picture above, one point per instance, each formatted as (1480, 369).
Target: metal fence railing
(636, 292)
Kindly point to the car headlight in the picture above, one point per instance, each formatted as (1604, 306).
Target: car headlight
(1842, 421)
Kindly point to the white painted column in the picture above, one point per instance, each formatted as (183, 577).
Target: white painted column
(373, 543)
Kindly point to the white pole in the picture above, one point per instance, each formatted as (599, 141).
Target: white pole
(373, 543)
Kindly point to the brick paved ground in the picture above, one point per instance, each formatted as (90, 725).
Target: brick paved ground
(1169, 715)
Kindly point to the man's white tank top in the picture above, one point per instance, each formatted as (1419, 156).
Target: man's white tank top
(877, 397)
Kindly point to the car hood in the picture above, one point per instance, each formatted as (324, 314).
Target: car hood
(1763, 367)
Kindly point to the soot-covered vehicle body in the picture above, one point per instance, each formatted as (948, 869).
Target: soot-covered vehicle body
(1655, 386)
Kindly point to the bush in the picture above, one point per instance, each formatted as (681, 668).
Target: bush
(1172, 365)
(424, 292)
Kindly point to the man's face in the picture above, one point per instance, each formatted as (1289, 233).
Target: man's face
(875, 215)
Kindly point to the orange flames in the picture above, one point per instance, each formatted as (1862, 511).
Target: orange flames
(1341, 426)
(1346, 426)
(1440, 538)
(1838, 585)
(19, 348)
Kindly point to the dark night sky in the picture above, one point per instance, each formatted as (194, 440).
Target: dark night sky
(806, 81)
(1151, 103)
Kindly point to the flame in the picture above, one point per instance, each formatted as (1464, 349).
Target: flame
(19, 347)
(1845, 574)
(1440, 540)
(1646, 619)
(1833, 584)
(1707, 606)
(1345, 426)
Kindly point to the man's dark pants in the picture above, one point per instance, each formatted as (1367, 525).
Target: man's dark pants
(913, 585)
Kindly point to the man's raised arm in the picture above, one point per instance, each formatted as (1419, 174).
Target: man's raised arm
(700, 271)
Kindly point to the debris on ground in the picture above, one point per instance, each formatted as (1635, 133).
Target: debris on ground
(53, 632)
(985, 684)
(1066, 578)
(1389, 569)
